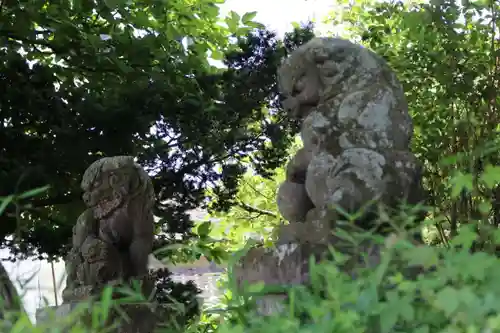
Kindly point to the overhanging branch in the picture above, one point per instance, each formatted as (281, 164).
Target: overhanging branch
(252, 209)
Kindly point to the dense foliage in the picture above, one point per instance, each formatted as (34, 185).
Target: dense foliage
(253, 215)
(446, 55)
(180, 303)
(457, 293)
(81, 80)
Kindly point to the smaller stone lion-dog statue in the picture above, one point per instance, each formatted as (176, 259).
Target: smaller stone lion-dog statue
(113, 237)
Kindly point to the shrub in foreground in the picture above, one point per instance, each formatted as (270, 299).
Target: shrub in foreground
(451, 290)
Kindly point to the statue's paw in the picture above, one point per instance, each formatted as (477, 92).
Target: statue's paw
(348, 181)
(297, 167)
(315, 230)
(293, 201)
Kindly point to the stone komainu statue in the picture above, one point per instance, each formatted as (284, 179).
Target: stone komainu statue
(113, 237)
(356, 133)
(355, 128)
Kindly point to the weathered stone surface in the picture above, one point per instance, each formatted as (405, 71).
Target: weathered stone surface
(287, 265)
(356, 132)
(281, 267)
(316, 231)
(293, 201)
(287, 261)
(297, 167)
(271, 304)
(50, 314)
(113, 238)
(355, 128)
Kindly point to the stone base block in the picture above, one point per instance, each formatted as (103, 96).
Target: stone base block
(269, 305)
(128, 318)
(281, 267)
(51, 314)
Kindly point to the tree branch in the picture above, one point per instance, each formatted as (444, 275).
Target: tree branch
(252, 209)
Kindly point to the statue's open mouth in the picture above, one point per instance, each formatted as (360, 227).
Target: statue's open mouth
(103, 202)
(105, 206)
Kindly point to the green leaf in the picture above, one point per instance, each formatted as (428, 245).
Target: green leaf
(491, 176)
(425, 256)
(406, 311)
(447, 300)
(496, 235)
(255, 288)
(141, 19)
(295, 25)
(216, 55)
(461, 182)
(105, 304)
(248, 17)
(450, 160)
(33, 192)
(76, 5)
(388, 318)
(465, 237)
(234, 16)
(204, 229)
(232, 21)
(255, 25)
(468, 296)
(485, 207)
(5, 202)
(211, 10)
(243, 31)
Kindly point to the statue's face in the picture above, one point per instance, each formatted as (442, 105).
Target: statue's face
(108, 191)
(318, 72)
(302, 94)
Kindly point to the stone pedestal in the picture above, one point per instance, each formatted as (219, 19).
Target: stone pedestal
(51, 314)
(280, 268)
(268, 305)
(287, 264)
(138, 318)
